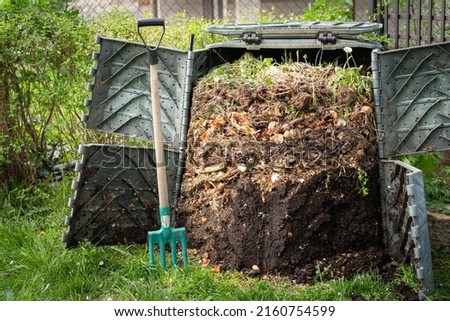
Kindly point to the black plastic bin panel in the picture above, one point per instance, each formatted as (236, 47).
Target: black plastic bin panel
(412, 92)
(121, 100)
(404, 219)
(115, 197)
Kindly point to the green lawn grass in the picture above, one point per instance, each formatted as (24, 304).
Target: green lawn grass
(35, 266)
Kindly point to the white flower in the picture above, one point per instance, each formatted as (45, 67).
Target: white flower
(348, 49)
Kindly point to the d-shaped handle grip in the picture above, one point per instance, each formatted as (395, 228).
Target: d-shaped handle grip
(150, 22)
(147, 22)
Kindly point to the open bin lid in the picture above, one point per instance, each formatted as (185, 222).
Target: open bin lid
(412, 99)
(120, 95)
(296, 35)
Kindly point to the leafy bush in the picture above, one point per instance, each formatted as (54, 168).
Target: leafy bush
(120, 24)
(321, 10)
(436, 179)
(44, 55)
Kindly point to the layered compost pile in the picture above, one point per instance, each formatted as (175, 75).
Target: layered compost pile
(281, 174)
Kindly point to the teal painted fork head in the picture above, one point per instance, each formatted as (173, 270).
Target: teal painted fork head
(167, 235)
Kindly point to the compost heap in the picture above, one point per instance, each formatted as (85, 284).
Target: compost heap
(281, 174)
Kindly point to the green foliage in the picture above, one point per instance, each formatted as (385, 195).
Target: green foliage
(252, 70)
(269, 16)
(361, 183)
(120, 24)
(352, 77)
(116, 24)
(44, 55)
(322, 10)
(441, 266)
(383, 39)
(405, 275)
(436, 180)
(340, 11)
(427, 163)
(180, 28)
(24, 4)
(437, 191)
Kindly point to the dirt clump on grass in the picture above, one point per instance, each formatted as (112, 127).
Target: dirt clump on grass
(281, 173)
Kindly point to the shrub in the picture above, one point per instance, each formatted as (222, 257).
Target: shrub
(321, 10)
(44, 55)
(436, 178)
(119, 24)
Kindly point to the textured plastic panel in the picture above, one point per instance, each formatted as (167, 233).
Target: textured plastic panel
(297, 44)
(412, 92)
(115, 198)
(120, 101)
(304, 35)
(296, 29)
(404, 219)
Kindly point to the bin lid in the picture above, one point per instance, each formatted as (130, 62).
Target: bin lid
(412, 99)
(295, 35)
(296, 29)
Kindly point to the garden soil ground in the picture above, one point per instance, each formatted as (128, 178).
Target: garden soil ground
(282, 177)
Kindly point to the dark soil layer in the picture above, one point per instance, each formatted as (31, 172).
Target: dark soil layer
(282, 175)
(296, 229)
